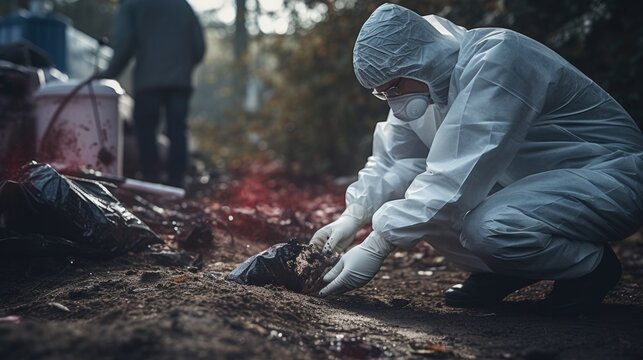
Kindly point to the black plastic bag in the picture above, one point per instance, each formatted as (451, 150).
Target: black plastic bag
(295, 266)
(44, 212)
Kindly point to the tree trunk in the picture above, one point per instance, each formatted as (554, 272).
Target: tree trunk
(240, 52)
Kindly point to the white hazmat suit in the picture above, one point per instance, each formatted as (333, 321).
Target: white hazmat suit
(522, 165)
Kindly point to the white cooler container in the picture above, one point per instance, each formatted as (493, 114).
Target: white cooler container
(74, 140)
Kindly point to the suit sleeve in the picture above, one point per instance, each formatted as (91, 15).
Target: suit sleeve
(398, 157)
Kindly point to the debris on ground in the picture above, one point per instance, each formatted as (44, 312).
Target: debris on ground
(355, 347)
(59, 306)
(179, 258)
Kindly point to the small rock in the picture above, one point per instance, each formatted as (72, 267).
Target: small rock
(59, 306)
(400, 302)
(433, 351)
(150, 276)
(274, 334)
(257, 329)
(12, 319)
(180, 278)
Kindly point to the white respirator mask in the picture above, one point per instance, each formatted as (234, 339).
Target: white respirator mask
(409, 107)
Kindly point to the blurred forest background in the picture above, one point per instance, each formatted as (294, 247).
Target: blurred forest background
(278, 83)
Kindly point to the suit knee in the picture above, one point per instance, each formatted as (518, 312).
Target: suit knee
(476, 231)
(503, 236)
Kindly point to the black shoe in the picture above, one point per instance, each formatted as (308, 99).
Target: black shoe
(586, 293)
(484, 289)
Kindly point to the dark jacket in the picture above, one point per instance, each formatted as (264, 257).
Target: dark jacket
(165, 38)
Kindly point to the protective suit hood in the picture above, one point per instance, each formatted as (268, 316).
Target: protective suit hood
(396, 42)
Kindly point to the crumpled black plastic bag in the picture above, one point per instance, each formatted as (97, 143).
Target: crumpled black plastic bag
(295, 266)
(44, 212)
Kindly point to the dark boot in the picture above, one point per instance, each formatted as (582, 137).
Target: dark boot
(484, 289)
(584, 294)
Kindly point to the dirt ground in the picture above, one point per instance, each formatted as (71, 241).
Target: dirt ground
(143, 306)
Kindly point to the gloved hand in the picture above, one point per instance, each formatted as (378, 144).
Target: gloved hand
(358, 266)
(339, 234)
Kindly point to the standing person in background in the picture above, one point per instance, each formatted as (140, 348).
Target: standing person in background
(166, 39)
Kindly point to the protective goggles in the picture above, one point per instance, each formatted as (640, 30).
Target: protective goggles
(392, 91)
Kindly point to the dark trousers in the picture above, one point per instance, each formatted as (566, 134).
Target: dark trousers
(147, 114)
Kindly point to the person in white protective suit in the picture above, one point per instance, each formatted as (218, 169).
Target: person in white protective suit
(502, 155)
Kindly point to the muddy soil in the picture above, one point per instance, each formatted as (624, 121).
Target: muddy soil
(135, 307)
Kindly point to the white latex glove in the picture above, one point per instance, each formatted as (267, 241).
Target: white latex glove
(339, 234)
(358, 266)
